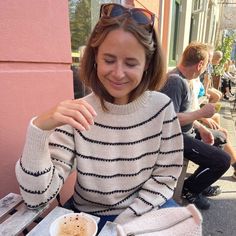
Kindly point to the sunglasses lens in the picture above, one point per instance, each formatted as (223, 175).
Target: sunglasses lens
(117, 11)
(142, 17)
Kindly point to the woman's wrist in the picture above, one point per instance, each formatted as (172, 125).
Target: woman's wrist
(44, 123)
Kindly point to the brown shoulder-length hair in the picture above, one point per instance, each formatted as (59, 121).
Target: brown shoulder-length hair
(153, 76)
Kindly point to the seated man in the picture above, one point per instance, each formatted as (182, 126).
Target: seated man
(213, 123)
(213, 162)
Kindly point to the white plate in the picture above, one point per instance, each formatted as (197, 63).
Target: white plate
(89, 224)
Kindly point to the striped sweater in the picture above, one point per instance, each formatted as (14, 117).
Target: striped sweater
(130, 158)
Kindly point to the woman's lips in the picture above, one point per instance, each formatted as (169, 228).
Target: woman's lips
(117, 85)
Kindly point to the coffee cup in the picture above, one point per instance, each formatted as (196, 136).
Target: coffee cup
(73, 224)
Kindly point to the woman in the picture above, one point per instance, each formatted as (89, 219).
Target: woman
(125, 136)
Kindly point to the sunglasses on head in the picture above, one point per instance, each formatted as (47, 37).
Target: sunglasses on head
(139, 15)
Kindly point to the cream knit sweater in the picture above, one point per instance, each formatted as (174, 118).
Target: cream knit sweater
(131, 157)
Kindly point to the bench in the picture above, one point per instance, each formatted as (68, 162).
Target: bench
(15, 217)
(179, 187)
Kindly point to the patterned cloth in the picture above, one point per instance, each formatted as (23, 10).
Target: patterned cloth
(131, 157)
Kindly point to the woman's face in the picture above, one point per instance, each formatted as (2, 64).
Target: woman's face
(120, 64)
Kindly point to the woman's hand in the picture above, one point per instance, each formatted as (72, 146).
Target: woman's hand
(77, 113)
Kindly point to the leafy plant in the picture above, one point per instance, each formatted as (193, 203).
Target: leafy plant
(225, 47)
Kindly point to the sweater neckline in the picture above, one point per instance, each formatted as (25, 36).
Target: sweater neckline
(130, 107)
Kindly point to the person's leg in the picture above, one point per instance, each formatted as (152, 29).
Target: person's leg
(215, 95)
(213, 163)
(230, 150)
(228, 147)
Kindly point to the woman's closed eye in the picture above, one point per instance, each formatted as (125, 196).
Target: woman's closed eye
(109, 61)
(131, 64)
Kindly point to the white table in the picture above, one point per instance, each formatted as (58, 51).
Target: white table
(42, 228)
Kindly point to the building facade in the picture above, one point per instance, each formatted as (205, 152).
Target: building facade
(178, 22)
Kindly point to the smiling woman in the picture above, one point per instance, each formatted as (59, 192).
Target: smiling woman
(124, 131)
(120, 69)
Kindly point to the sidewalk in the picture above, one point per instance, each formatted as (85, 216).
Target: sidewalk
(220, 219)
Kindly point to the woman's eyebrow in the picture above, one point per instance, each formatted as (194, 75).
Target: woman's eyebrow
(131, 59)
(109, 55)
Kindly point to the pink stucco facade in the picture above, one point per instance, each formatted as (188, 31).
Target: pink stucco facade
(35, 59)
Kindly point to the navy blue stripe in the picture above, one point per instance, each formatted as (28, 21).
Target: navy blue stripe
(111, 192)
(172, 136)
(119, 143)
(37, 173)
(164, 184)
(102, 204)
(170, 121)
(61, 146)
(64, 132)
(170, 165)
(156, 193)
(136, 125)
(118, 159)
(45, 202)
(63, 162)
(171, 152)
(116, 175)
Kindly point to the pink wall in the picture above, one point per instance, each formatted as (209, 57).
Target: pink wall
(35, 58)
(166, 30)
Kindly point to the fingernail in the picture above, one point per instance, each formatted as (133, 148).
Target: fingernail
(82, 129)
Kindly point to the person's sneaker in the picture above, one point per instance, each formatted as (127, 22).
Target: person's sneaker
(226, 97)
(231, 99)
(211, 191)
(198, 200)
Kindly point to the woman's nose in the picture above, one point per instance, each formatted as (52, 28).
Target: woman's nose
(118, 71)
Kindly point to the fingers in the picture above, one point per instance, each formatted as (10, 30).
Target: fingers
(70, 121)
(77, 113)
